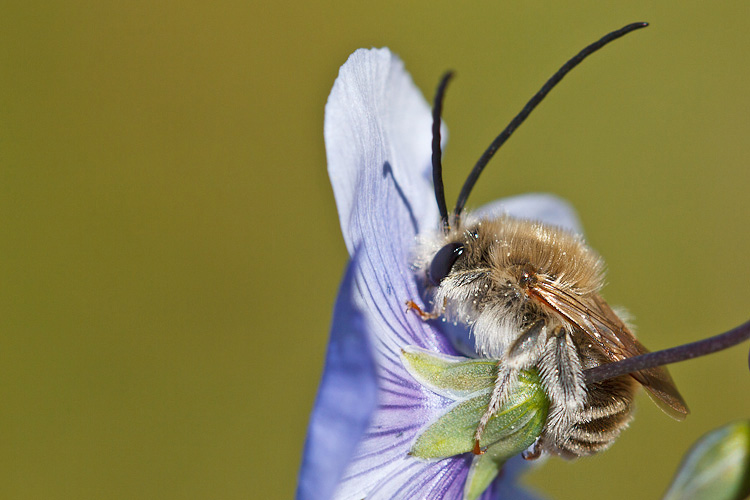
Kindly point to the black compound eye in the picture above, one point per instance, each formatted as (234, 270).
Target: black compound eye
(443, 262)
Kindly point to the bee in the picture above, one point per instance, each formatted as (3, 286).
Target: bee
(531, 295)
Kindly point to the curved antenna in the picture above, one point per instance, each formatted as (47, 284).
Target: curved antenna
(520, 117)
(437, 153)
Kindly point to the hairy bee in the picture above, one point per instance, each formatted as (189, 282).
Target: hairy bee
(531, 296)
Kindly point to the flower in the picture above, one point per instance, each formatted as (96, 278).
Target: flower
(369, 409)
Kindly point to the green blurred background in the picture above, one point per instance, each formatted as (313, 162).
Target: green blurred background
(170, 248)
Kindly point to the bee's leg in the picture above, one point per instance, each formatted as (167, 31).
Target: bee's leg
(562, 376)
(426, 316)
(412, 306)
(522, 353)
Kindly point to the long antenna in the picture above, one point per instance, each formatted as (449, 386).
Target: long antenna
(437, 153)
(520, 117)
(667, 356)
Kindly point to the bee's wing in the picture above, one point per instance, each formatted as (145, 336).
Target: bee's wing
(597, 320)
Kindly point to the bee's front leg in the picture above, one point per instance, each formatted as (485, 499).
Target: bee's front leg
(426, 316)
(412, 306)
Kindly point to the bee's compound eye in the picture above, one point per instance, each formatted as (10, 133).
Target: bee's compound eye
(443, 262)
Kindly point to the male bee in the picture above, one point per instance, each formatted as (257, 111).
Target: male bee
(531, 296)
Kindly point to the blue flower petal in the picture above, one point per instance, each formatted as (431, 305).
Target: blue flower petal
(378, 145)
(443, 479)
(346, 400)
(378, 138)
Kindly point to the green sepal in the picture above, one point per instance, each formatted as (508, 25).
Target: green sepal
(512, 428)
(450, 376)
(717, 467)
(485, 468)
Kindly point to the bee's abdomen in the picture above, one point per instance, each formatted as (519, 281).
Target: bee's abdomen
(606, 413)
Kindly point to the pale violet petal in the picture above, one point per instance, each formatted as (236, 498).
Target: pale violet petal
(346, 400)
(442, 479)
(378, 138)
(540, 207)
(404, 406)
(378, 145)
(445, 479)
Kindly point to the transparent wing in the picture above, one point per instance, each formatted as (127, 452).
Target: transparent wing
(597, 320)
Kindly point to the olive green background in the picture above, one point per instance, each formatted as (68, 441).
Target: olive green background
(170, 249)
